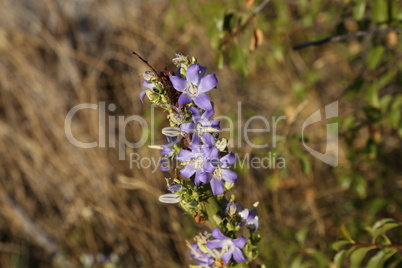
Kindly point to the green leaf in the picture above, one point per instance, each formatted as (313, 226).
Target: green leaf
(220, 60)
(374, 57)
(297, 262)
(339, 258)
(227, 22)
(301, 236)
(378, 260)
(372, 94)
(360, 181)
(380, 11)
(338, 245)
(396, 10)
(387, 77)
(320, 259)
(385, 102)
(345, 234)
(385, 226)
(379, 224)
(359, 10)
(373, 114)
(357, 256)
(238, 60)
(306, 164)
(395, 115)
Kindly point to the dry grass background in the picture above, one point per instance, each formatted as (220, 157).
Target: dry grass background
(58, 201)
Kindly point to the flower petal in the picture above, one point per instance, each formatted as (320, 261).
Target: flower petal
(195, 141)
(148, 85)
(217, 186)
(208, 140)
(202, 101)
(229, 175)
(200, 177)
(244, 214)
(195, 112)
(216, 233)
(166, 150)
(252, 224)
(207, 83)
(184, 99)
(207, 114)
(226, 257)
(214, 153)
(194, 73)
(188, 171)
(178, 83)
(187, 127)
(164, 164)
(184, 155)
(215, 124)
(208, 167)
(143, 93)
(214, 244)
(228, 160)
(239, 242)
(238, 255)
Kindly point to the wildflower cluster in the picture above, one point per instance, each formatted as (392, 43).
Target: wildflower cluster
(203, 174)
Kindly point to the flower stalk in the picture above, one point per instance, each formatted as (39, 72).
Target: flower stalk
(204, 174)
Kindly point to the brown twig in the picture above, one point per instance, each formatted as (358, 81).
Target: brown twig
(241, 28)
(146, 62)
(346, 36)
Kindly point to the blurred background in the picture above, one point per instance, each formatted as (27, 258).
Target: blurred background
(64, 206)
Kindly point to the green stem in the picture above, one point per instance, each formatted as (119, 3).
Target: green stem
(213, 210)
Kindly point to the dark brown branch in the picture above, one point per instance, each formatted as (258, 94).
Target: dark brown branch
(241, 28)
(146, 62)
(347, 36)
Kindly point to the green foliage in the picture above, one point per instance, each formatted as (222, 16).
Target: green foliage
(357, 254)
(376, 113)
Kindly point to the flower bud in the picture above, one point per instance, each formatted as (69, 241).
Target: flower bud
(174, 188)
(232, 208)
(148, 76)
(180, 60)
(221, 144)
(169, 198)
(171, 131)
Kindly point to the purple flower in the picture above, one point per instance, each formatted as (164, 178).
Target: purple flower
(194, 86)
(250, 219)
(148, 85)
(229, 247)
(175, 187)
(202, 258)
(148, 78)
(198, 162)
(201, 125)
(232, 208)
(222, 173)
(167, 151)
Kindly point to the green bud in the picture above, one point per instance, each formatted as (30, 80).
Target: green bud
(188, 206)
(221, 144)
(229, 185)
(152, 96)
